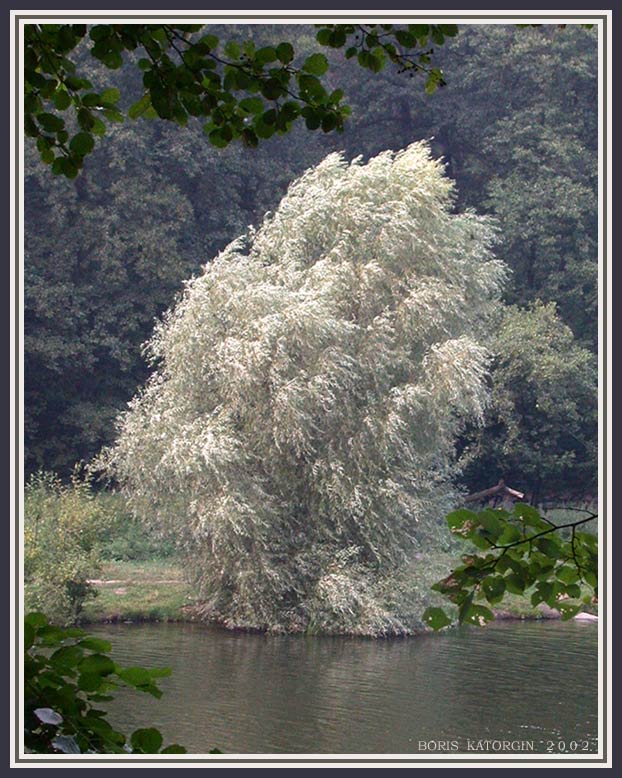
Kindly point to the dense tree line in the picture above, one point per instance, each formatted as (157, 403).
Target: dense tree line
(107, 253)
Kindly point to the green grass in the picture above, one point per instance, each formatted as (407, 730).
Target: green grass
(152, 590)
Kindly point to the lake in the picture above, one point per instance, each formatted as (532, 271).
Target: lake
(531, 684)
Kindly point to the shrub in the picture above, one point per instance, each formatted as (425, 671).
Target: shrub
(63, 527)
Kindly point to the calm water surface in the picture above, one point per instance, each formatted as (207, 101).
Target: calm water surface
(527, 681)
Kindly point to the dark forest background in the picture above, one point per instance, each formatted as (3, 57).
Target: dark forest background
(516, 124)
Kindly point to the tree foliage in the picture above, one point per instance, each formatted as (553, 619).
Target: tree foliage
(298, 433)
(103, 261)
(66, 674)
(63, 527)
(541, 429)
(88, 311)
(188, 72)
(526, 554)
(518, 123)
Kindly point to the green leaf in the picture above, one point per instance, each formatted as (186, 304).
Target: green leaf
(62, 100)
(316, 64)
(252, 105)
(436, 618)
(406, 38)
(285, 53)
(461, 522)
(112, 60)
(232, 49)
(49, 122)
(96, 644)
(478, 615)
(567, 574)
(99, 128)
(528, 514)
(110, 96)
(338, 37)
(543, 593)
(152, 689)
(174, 748)
(48, 634)
(510, 534)
(329, 122)
(437, 36)
(136, 676)
(420, 31)
(100, 32)
(139, 107)
(249, 137)
(323, 36)
(217, 138)
(549, 547)
(91, 100)
(57, 166)
(29, 636)
(86, 120)
(262, 129)
(82, 144)
(67, 656)
(146, 741)
(465, 606)
(494, 588)
(377, 60)
(567, 609)
(272, 89)
(160, 672)
(265, 55)
(491, 523)
(114, 115)
(100, 664)
(514, 584)
(210, 41)
(90, 682)
(591, 579)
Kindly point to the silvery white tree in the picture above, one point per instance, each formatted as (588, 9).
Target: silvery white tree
(297, 435)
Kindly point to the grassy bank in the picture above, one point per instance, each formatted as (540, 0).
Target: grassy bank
(74, 535)
(151, 590)
(154, 590)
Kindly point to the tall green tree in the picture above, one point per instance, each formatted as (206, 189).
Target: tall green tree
(541, 430)
(518, 125)
(100, 265)
(298, 433)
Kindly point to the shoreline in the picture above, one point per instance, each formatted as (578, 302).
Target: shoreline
(154, 591)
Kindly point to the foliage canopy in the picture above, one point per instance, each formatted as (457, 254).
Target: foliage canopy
(525, 554)
(107, 252)
(66, 674)
(189, 72)
(298, 433)
(541, 430)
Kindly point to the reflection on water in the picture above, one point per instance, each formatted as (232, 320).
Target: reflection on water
(244, 693)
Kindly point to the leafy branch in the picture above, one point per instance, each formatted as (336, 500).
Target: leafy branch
(239, 91)
(526, 554)
(66, 672)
